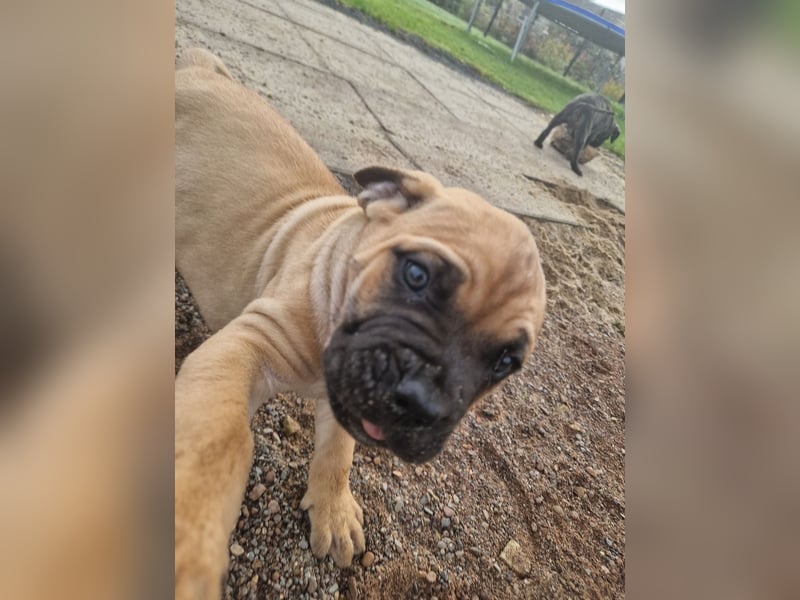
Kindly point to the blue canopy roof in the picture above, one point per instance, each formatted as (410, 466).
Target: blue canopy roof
(584, 22)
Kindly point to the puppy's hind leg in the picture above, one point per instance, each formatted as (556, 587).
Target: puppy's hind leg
(554, 122)
(198, 57)
(580, 138)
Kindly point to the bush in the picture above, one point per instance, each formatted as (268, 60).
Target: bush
(613, 90)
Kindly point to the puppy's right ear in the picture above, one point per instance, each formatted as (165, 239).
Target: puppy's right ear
(392, 191)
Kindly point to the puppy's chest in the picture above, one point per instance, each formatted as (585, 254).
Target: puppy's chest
(315, 389)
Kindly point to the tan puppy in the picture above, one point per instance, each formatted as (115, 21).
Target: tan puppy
(397, 310)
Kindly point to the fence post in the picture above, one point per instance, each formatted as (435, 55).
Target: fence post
(474, 14)
(523, 31)
(494, 16)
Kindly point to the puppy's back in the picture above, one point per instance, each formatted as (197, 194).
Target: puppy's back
(239, 169)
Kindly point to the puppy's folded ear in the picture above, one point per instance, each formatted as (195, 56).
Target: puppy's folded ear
(394, 190)
(614, 133)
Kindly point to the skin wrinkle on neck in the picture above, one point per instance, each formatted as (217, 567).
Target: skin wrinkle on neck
(329, 287)
(285, 229)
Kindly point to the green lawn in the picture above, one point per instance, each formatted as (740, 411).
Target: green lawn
(524, 78)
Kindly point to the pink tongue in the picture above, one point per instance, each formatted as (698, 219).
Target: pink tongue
(373, 431)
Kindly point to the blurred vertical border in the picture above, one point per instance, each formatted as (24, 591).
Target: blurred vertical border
(86, 309)
(713, 290)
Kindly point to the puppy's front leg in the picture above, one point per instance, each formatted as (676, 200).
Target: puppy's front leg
(214, 449)
(336, 517)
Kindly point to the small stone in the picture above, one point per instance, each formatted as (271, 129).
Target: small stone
(273, 507)
(275, 576)
(418, 471)
(425, 499)
(398, 504)
(367, 559)
(574, 514)
(539, 499)
(290, 426)
(449, 512)
(577, 428)
(593, 472)
(236, 549)
(269, 477)
(558, 510)
(515, 558)
(580, 492)
(334, 588)
(312, 585)
(257, 491)
(303, 545)
(376, 460)
(352, 588)
(604, 569)
(430, 577)
(445, 523)
(397, 474)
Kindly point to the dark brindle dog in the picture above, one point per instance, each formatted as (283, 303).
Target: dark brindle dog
(590, 121)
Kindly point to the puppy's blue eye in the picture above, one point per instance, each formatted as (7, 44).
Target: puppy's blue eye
(415, 275)
(505, 365)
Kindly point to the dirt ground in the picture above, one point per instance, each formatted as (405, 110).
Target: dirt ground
(539, 465)
(540, 462)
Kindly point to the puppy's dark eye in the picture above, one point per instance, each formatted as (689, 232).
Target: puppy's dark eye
(415, 275)
(505, 365)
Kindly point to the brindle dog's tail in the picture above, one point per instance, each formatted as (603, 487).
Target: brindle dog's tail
(198, 57)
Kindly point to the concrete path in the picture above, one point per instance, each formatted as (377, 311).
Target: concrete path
(360, 97)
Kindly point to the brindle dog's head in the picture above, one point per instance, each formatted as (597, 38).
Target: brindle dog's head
(614, 132)
(445, 300)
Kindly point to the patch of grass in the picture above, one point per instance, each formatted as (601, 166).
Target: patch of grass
(524, 78)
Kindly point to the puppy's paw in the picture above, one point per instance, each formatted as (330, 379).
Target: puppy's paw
(336, 525)
(577, 170)
(538, 143)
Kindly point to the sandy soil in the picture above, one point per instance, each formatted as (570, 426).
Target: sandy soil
(539, 464)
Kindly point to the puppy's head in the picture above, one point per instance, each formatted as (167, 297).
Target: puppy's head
(445, 300)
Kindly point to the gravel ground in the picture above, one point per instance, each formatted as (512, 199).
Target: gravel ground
(527, 499)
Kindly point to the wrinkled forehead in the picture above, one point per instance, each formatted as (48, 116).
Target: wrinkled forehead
(502, 286)
(504, 295)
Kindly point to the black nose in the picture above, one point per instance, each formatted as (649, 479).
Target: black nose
(417, 398)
